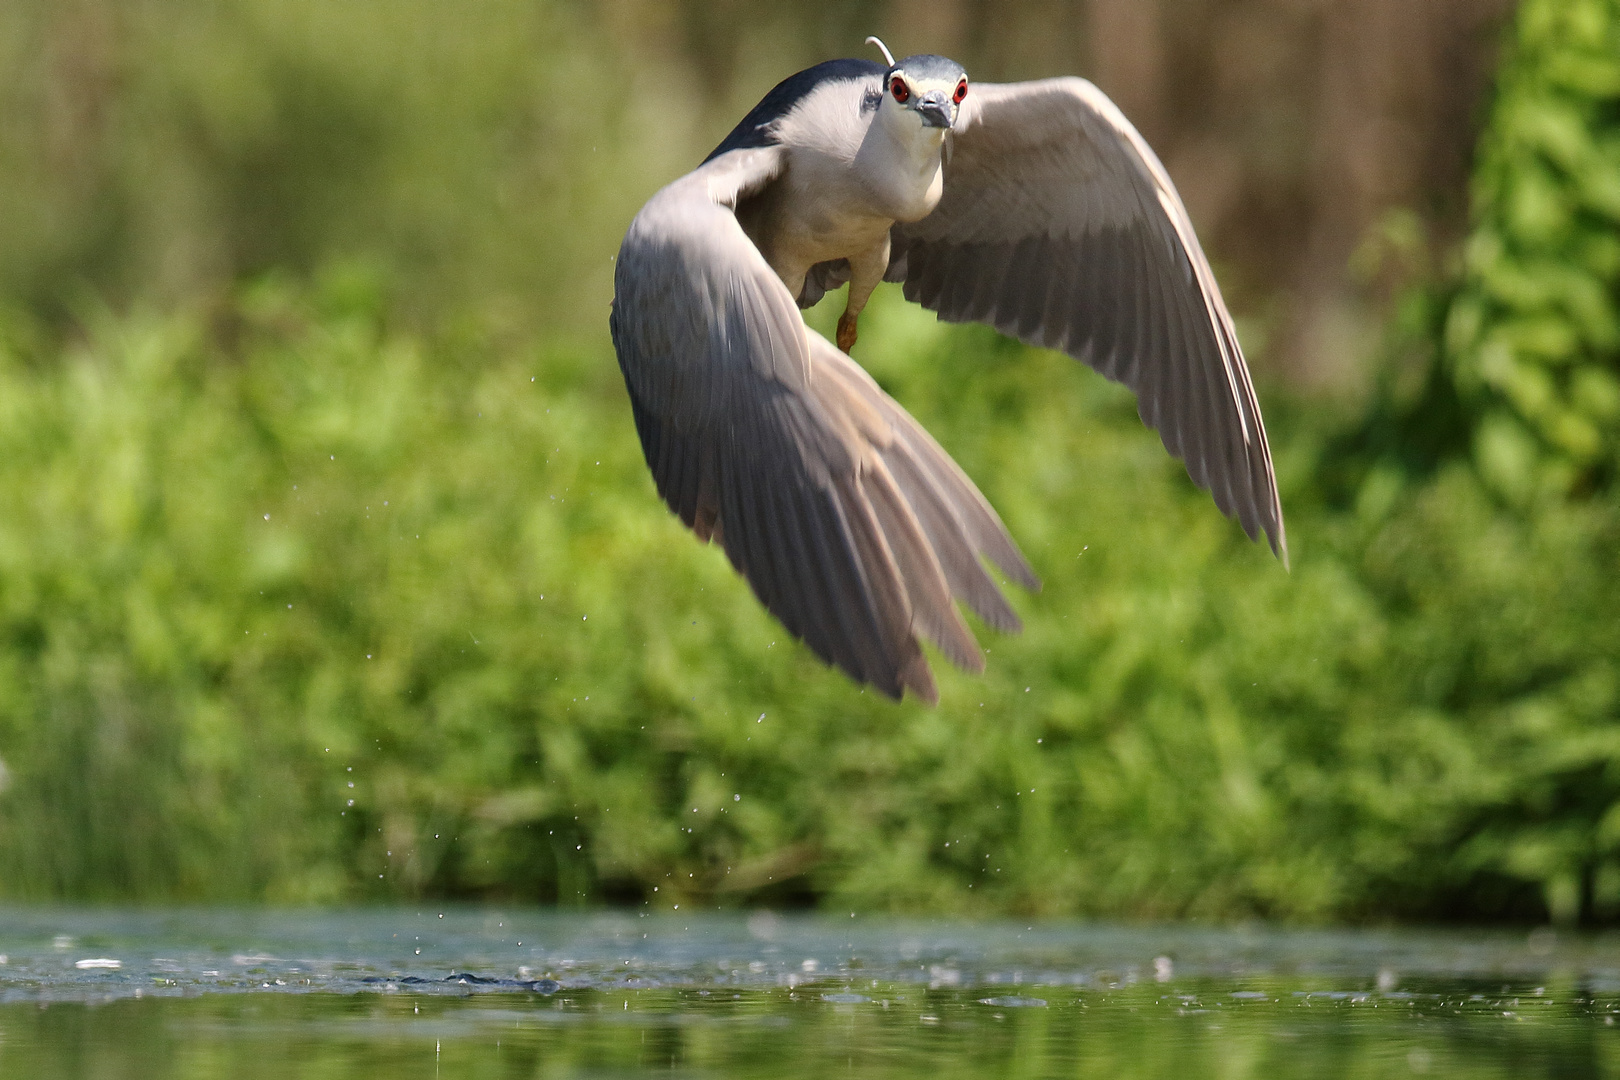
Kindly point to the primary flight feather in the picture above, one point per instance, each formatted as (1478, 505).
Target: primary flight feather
(1034, 207)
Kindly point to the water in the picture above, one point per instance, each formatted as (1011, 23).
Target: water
(481, 993)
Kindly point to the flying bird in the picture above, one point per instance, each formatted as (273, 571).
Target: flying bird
(1034, 207)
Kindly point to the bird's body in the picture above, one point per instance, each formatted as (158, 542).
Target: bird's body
(1034, 207)
(853, 164)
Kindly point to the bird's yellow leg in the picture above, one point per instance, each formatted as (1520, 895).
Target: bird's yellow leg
(846, 329)
(866, 271)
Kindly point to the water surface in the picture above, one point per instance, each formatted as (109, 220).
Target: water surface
(476, 993)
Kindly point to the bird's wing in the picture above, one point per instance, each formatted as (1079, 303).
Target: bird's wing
(853, 526)
(1059, 226)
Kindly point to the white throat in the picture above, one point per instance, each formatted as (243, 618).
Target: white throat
(900, 161)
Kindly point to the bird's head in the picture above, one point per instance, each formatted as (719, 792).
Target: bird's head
(927, 90)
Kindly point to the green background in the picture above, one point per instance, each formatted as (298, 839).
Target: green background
(330, 570)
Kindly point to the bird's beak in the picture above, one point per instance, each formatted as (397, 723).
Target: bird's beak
(935, 109)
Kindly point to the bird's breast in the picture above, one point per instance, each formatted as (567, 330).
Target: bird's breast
(826, 212)
(912, 198)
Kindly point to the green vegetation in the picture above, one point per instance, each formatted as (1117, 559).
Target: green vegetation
(239, 575)
(1535, 329)
(484, 156)
(257, 550)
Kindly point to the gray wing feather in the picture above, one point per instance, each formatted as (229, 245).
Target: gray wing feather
(822, 279)
(1059, 226)
(852, 525)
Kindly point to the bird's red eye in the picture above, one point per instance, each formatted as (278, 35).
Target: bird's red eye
(899, 89)
(961, 92)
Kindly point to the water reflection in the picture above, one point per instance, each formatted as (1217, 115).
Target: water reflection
(413, 993)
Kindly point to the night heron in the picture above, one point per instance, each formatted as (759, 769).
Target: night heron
(1034, 207)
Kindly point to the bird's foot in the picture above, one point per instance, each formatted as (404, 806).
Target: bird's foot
(846, 331)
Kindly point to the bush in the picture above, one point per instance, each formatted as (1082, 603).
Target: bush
(1534, 334)
(240, 572)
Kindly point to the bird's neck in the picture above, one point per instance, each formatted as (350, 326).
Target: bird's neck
(900, 159)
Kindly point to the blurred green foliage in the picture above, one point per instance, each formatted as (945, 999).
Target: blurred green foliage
(244, 567)
(156, 151)
(350, 583)
(1535, 330)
